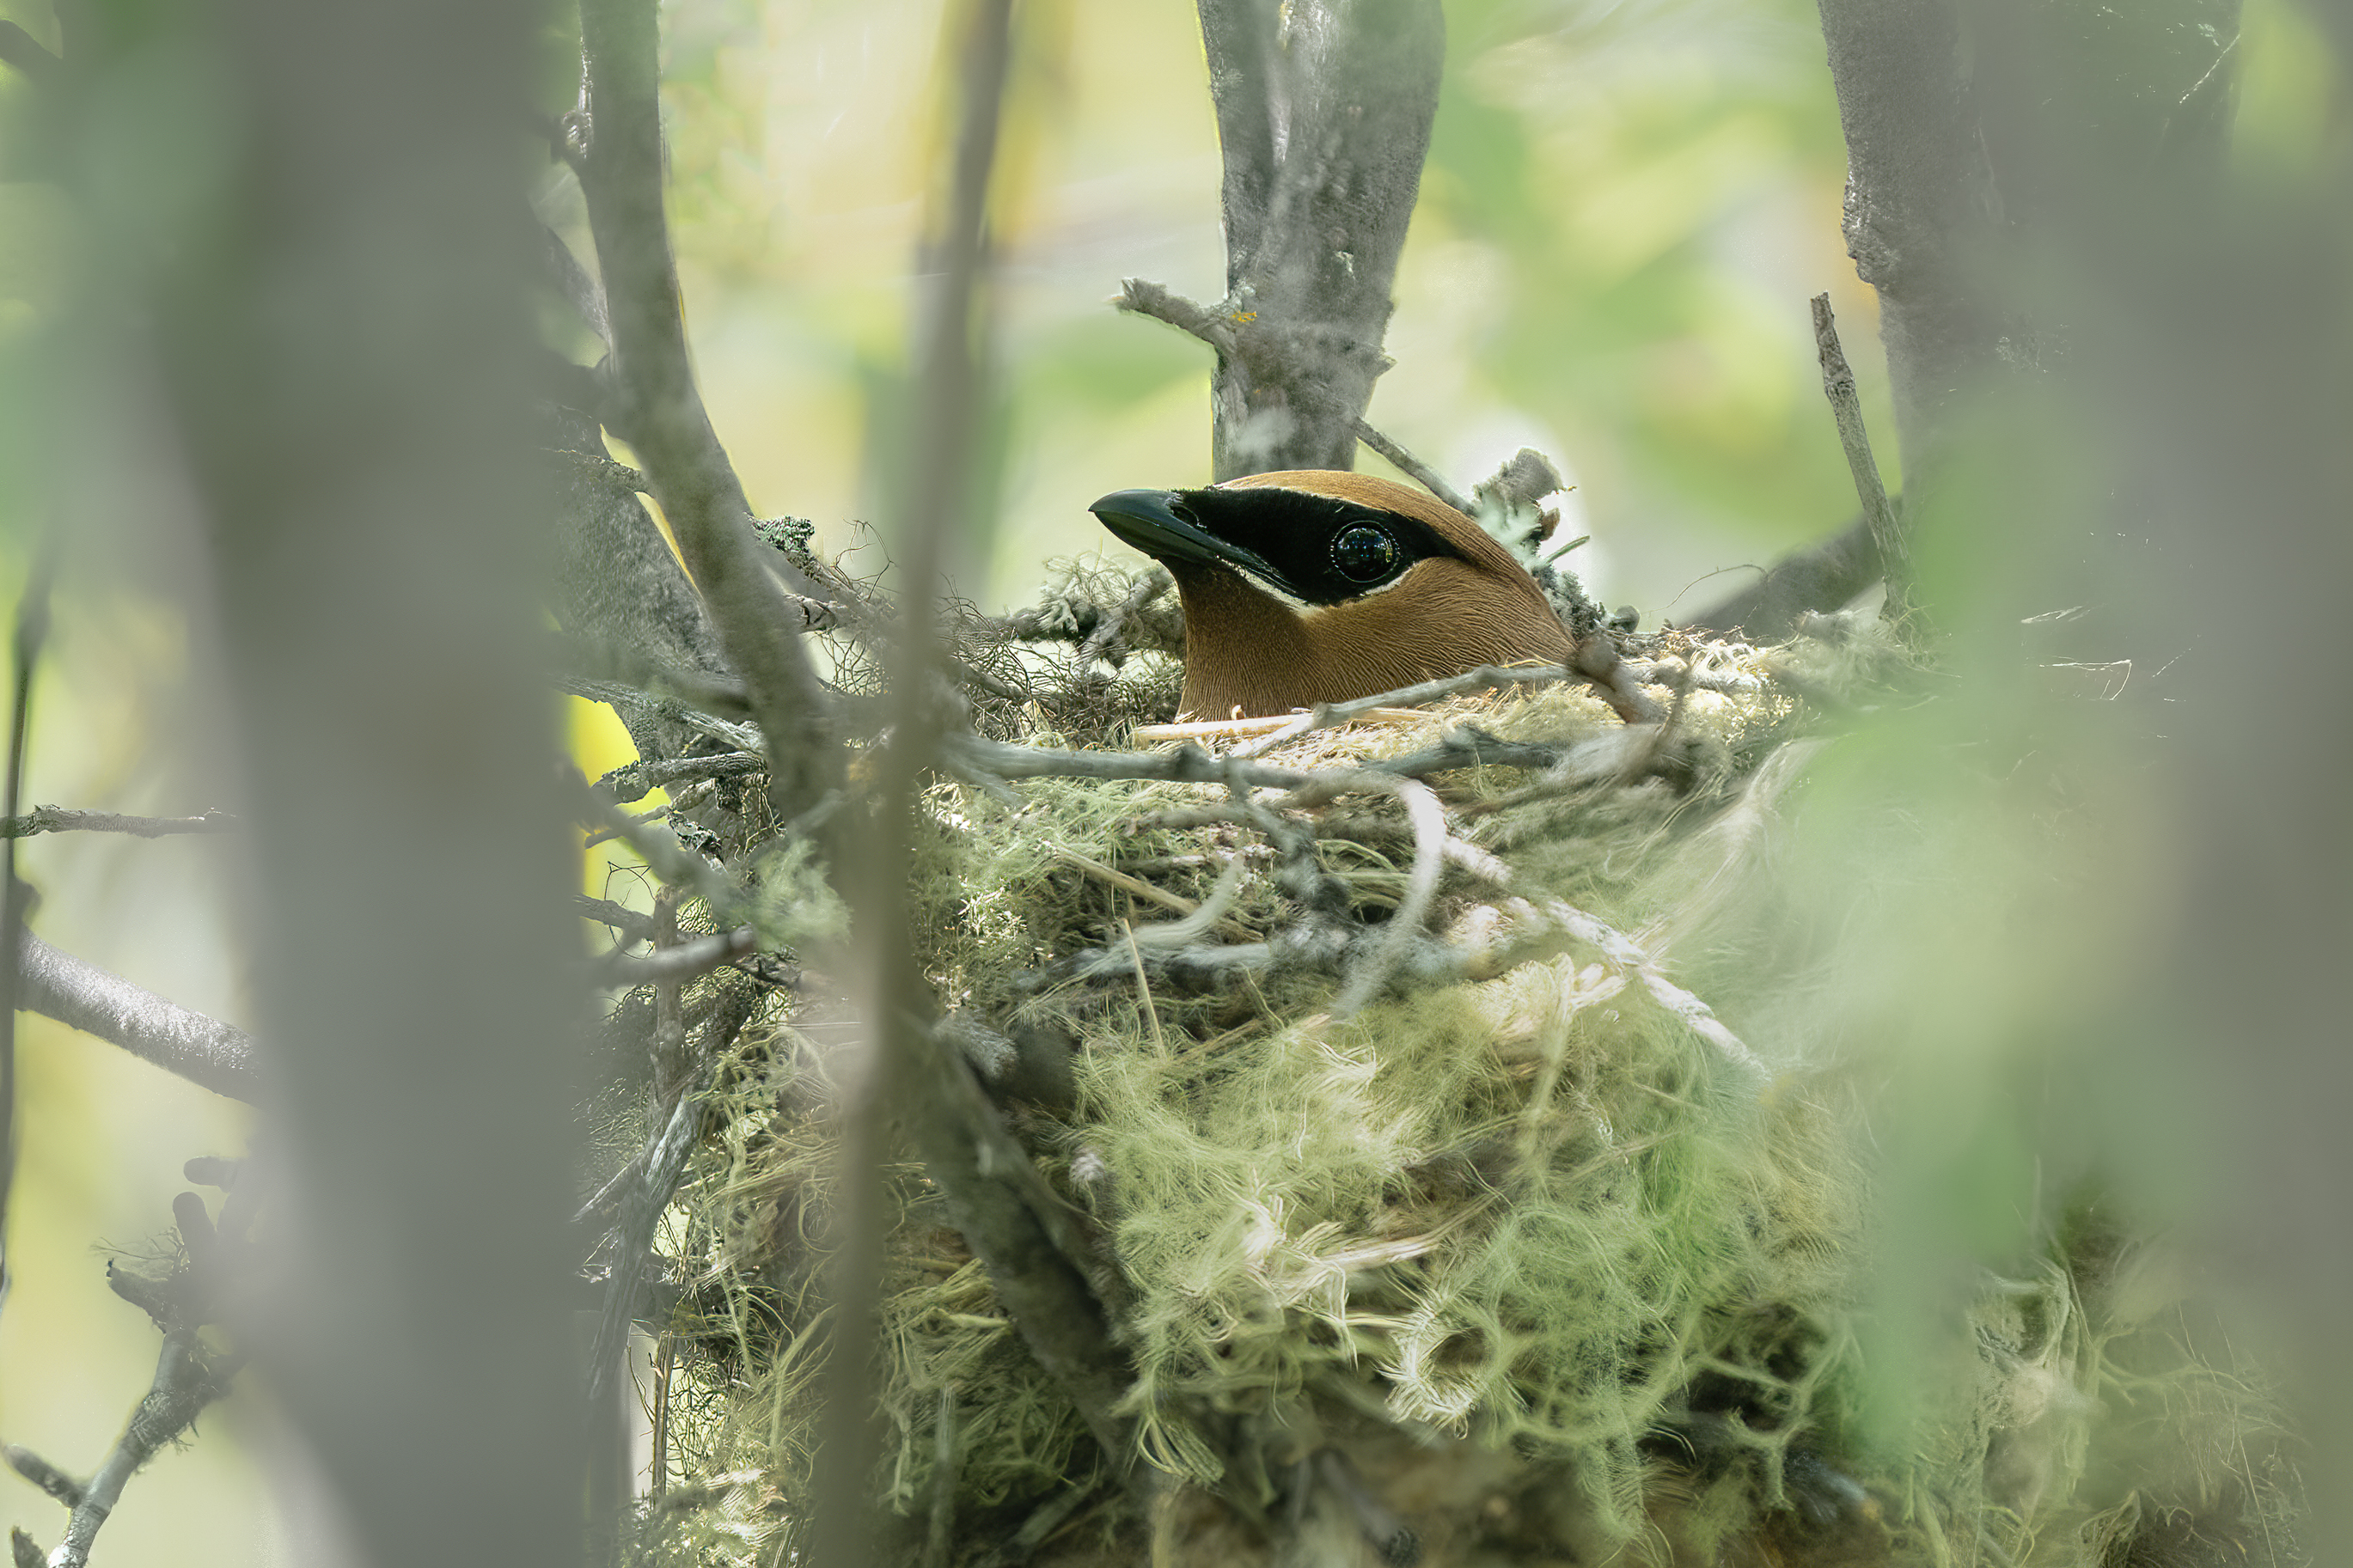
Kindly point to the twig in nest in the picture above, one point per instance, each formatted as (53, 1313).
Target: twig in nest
(1134, 887)
(1113, 626)
(634, 780)
(741, 737)
(1201, 920)
(1429, 835)
(669, 966)
(1610, 675)
(656, 1169)
(1625, 954)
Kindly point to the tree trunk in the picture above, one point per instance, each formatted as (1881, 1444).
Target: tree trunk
(1324, 114)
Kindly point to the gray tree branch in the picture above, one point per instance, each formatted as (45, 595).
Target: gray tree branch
(83, 996)
(620, 174)
(1324, 114)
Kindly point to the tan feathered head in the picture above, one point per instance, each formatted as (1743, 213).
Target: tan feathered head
(1312, 585)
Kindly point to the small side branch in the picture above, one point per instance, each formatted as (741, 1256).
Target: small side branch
(670, 965)
(1878, 511)
(634, 780)
(58, 819)
(1141, 296)
(1425, 476)
(43, 1474)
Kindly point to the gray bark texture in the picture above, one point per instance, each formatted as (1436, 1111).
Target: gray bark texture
(1324, 114)
(1973, 127)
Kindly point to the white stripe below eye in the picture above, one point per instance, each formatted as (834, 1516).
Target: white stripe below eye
(1301, 606)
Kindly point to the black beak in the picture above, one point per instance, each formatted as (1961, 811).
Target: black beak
(1158, 523)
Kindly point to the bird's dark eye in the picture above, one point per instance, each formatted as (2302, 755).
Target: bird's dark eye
(1363, 554)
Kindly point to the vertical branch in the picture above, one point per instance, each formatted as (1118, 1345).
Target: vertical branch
(946, 377)
(1245, 82)
(1920, 201)
(1324, 115)
(32, 630)
(1976, 135)
(662, 412)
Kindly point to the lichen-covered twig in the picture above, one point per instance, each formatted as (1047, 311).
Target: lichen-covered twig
(634, 780)
(187, 1380)
(663, 854)
(669, 966)
(59, 819)
(643, 1190)
(741, 737)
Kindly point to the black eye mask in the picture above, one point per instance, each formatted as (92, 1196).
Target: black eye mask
(1315, 549)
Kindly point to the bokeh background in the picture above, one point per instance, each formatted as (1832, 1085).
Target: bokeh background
(1626, 208)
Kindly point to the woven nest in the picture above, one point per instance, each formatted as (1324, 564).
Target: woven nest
(1482, 1201)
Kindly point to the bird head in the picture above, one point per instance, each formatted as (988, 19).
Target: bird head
(1311, 586)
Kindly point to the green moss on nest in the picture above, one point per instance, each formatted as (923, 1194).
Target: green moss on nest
(1525, 1243)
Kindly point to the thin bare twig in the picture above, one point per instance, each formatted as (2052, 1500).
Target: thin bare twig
(1429, 478)
(1838, 384)
(1429, 835)
(1200, 921)
(1328, 715)
(1624, 953)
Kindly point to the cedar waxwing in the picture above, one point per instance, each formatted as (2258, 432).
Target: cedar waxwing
(1312, 585)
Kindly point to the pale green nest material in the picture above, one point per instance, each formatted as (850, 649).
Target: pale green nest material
(1550, 1209)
